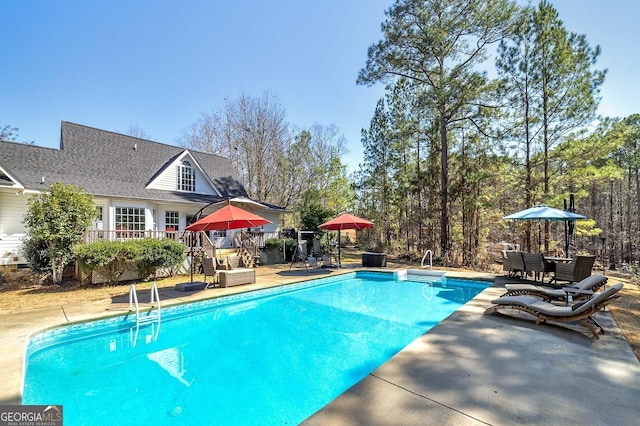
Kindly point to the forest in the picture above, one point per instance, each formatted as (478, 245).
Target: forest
(489, 108)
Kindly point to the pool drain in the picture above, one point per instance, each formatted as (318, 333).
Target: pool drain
(175, 411)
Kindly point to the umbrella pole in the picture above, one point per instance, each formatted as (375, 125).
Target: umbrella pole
(566, 238)
(539, 236)
(339, 251)
(191, 262)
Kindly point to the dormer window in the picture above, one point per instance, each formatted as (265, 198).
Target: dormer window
(186, 177)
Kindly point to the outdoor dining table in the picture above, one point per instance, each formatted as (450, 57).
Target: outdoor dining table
(558, 259)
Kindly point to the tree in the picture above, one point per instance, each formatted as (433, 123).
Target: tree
(439, 44)
(276, 163)
(254, 134)
(59, 219)
(312, 212)
(376, 185)
(553, 90)
(8, 133)
(137, 131)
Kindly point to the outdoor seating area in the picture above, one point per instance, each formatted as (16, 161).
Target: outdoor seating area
(522, 264)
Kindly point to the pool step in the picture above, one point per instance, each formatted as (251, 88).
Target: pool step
(421, 275)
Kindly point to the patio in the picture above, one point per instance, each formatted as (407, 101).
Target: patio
(470, 369)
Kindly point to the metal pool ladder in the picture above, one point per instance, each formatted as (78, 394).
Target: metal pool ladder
(154, 297)
(430, 253)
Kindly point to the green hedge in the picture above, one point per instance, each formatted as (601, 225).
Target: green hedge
(110, 257)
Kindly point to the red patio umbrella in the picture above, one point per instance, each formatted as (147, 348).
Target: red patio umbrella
(345, 221)
(228, 217)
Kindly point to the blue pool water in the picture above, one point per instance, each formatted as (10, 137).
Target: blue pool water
(269, 357)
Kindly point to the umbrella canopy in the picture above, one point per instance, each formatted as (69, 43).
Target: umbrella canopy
(544, 213)
(345, 221)
(228, 217)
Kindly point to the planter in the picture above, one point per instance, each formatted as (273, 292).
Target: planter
(271, 257)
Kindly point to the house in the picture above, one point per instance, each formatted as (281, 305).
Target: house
(141, 187)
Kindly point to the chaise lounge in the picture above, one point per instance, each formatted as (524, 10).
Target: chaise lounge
(545, 311)
(580, 290)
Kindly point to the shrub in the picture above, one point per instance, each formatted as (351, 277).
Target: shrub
(107, 257)
(274, 244)
(153, 254)
(110, 257)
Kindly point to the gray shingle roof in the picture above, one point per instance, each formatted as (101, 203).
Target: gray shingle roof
(112, 165)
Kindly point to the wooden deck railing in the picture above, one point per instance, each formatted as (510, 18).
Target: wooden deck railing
(107, 235)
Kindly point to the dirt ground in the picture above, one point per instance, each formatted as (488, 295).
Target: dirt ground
(24, 291)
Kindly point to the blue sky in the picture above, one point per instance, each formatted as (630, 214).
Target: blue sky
(159, 64)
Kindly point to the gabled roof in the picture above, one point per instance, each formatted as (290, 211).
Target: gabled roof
(7, 179)
(112, 165)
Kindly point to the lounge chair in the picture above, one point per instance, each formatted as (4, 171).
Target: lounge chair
(534, 262)
(578, 269)
(581, 290)
(516, 264)
(545, 311)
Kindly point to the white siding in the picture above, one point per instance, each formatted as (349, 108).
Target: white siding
(12, 231)
(168, 181)
(274, 217)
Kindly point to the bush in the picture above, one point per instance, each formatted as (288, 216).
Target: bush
(110, 257)
(107, 257)
(273, 244)
(152, 254)
(276, 244)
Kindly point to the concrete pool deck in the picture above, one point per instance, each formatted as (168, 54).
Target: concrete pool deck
(469, 369)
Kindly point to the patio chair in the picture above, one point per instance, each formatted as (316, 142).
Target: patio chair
(581, 290)
(506, 265)
(235, 262)
(535, 262)
(516, 264)
(210, 269)
(545, 311)
(576, 270)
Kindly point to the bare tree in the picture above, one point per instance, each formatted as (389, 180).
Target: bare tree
(8, 133)
(254, 134)
(137, 131)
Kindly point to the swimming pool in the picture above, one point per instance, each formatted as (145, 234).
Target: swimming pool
(273, 356)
